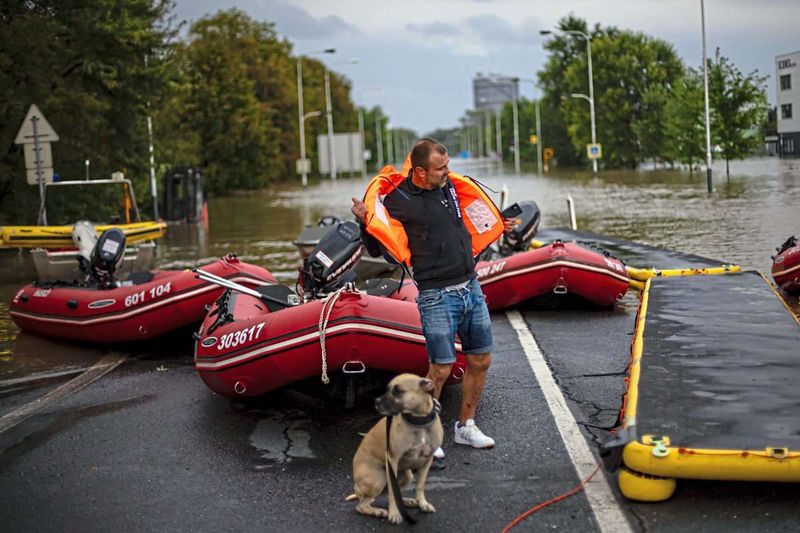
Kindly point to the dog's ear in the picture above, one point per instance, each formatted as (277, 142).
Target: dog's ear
(426, 385)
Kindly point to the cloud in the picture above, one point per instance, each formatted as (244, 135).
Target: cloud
(495, 31)
(300, 24)
(290, 20)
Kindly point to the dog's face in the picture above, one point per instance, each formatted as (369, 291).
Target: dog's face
(406, 393)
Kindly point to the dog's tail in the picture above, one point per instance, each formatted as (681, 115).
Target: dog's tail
(351, 498)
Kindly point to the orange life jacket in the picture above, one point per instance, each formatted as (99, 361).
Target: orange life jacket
(481, 217)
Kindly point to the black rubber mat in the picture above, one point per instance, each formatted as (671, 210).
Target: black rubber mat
(721, 364)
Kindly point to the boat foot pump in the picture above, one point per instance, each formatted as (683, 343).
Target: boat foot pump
(106, 258)
(331, 262)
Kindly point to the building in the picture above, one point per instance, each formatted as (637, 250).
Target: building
(493, 91)
(787, 70)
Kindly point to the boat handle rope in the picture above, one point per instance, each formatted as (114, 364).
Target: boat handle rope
(325, 313)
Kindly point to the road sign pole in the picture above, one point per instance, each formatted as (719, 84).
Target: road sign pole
(42, 218)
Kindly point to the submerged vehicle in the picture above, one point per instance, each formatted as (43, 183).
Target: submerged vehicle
(253, 342)
(101, 308)
(786, 266)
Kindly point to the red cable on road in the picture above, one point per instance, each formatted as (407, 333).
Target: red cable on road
(551, 501)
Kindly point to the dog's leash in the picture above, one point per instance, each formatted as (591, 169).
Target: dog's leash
(398, 496)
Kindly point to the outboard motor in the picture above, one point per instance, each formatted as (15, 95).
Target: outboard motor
(519, 239)
(331, 263)
(106, 257)
(85, 237)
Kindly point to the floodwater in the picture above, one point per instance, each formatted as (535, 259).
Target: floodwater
(742, 222)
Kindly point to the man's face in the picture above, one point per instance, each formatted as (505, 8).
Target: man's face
(435, 176)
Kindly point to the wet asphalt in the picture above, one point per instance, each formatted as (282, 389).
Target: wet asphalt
(148, 447)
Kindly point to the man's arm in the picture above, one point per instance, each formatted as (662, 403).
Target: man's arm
(359, 209)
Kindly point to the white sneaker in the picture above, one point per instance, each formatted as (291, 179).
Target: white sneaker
(438, 453)
(470, 435)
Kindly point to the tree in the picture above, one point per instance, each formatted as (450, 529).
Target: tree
(83, 65)
(739, 105)
(685, 121)
(563, 50)
(631, 71)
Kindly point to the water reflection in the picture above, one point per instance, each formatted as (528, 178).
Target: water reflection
(743, 221)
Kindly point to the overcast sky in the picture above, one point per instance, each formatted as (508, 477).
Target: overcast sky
(424, 53)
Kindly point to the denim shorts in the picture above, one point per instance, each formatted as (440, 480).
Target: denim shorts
(445, 312)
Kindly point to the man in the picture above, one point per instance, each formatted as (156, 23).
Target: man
(441, 248)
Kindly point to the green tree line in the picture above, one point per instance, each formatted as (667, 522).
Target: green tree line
(649, 106)
(222, 98)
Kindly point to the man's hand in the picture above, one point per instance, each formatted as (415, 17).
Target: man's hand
(509, 224)
(359, 209)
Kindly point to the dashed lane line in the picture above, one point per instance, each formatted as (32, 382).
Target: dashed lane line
(95, 372)
(601, 499)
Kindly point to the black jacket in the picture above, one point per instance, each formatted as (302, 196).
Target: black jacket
(441, 246)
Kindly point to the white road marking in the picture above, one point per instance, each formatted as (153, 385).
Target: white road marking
(604, 504)
(98, 370)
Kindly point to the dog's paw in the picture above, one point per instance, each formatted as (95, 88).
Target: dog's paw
(426, 507)
(410, 502)
(395, 518)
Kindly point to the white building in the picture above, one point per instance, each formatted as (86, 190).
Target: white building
(787, 70)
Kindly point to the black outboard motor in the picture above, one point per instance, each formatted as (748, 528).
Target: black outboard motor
(331, 263)
(106, 257)
(519, 239)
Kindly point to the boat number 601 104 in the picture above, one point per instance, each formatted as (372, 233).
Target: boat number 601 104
(232, 340)
(154, 292)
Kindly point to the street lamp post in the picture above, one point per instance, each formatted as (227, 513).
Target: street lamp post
(361, 127)
(515, 112)
(590, 98)
(304, 168)
(705, 89)
(539, 142)
(300, 114)
(329, 116)
(498, 137)
(379, 136)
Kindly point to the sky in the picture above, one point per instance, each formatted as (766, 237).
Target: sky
(417, 58)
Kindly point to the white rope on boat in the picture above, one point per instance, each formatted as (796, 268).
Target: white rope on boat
(325, 313)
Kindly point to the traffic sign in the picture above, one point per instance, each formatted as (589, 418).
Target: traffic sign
(33, 177)
(45, 155)
(303, 165)
(44, 130)
(594, 151)
(534, 139)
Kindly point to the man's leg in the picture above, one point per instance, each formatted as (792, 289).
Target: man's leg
(472, 386)
(438, 374)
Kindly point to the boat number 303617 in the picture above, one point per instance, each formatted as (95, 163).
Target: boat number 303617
(154, 292)
(234, 339)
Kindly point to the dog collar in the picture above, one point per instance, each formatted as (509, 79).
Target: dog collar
(425, 420)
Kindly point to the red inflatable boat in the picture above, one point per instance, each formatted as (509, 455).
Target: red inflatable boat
(147, 305)
(246, 348)
(786, 266)
(561, 268)
(253, 342)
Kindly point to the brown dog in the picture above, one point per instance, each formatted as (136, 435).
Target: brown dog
(416, 432)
